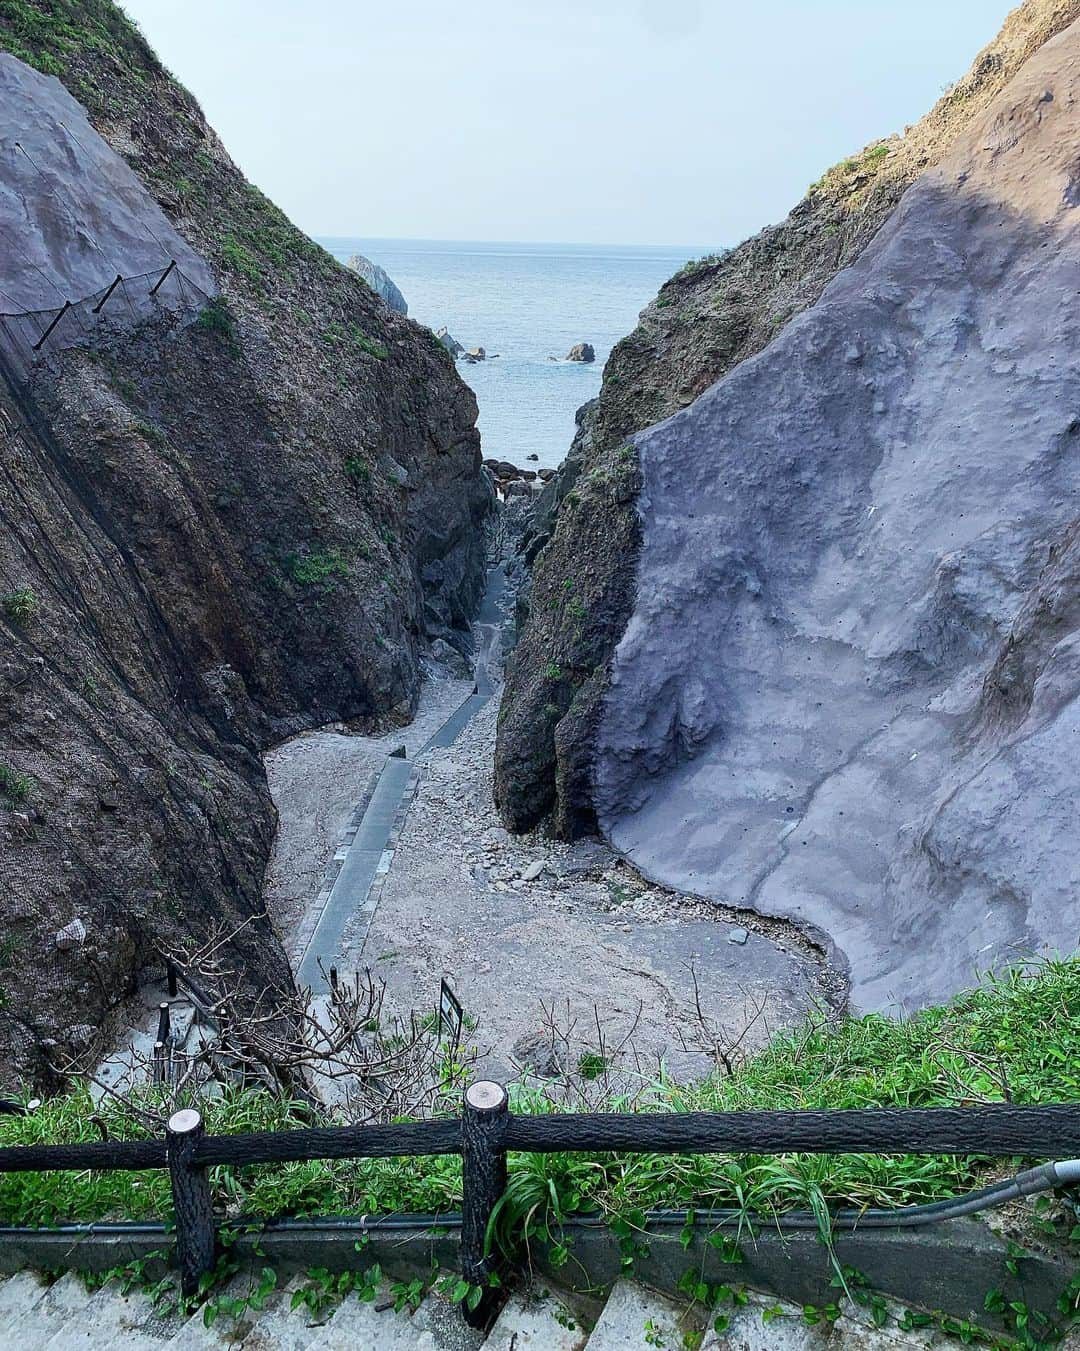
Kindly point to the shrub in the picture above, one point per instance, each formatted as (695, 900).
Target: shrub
(309, 569)
(239, 259)
(15, 788)
(19, 605)
(358, 468)
(215, 318)
(368, 345)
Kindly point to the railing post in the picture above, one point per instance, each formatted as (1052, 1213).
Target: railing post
(191, 1201)
(483, 1166)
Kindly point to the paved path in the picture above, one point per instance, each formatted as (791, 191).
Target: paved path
(370, 852)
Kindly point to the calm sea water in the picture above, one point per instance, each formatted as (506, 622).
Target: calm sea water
(528, 303)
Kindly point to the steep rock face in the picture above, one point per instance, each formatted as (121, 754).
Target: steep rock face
(708, 318)
(218, 525)
(849, 690)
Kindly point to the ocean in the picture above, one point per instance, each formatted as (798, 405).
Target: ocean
(528, 303)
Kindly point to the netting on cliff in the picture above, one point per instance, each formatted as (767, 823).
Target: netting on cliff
(30, 337)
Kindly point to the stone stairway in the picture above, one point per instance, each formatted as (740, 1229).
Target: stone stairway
(65, 1315)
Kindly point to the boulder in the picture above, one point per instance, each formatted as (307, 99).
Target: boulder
(475, 354)
(72, 935)
(546, 475)
(581, 351)
(380, 282)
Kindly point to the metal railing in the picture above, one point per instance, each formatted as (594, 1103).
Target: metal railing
(487, 1131)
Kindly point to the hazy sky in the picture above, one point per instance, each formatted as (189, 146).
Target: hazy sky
(608, 121)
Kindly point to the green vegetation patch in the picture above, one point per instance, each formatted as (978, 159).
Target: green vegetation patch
(839, 179)
(215, 317)
(47, 33)
(15, 788)
(311, 568)
(20, 605)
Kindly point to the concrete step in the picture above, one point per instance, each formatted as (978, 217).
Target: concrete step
(19, 1296)
(61, 1305)
(768, 1324)
(111, 1320)
(636, 1317)
(535, 1321)
(227, 1331)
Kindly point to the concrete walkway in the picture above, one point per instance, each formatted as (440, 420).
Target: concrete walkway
(351, 899)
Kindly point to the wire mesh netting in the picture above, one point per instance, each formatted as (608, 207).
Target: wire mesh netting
(29, 337)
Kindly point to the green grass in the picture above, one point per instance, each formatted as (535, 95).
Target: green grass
(216, 318)
(47, 33)
(15, 787)
(368, 345)
(868, 162)
(1016, 1036)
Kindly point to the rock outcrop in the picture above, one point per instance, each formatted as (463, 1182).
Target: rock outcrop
(709, 317)
(846, 689)
(380, 282)
(204, 542)
(449, 342)
(583, 352)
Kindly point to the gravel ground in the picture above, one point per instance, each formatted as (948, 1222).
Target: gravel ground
(318, 780)
(586, 937)
(532, 934)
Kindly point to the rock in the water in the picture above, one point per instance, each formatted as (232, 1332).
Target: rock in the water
(475, 354)
(547, 475)
(532, 457)
(581, 351)
(380, 282)
(449, 342)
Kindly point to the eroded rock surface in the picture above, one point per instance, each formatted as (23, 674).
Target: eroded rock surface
(380, 282)
(848, 690)
(709, 317)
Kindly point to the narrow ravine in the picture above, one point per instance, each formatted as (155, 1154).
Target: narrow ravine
(426, 885)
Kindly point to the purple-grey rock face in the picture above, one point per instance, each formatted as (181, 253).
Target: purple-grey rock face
(848, 691)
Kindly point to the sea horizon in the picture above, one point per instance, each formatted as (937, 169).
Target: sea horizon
(526, 303)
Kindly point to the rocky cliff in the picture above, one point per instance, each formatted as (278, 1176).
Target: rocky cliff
(845, 688)
(224, 518)
(709, 317)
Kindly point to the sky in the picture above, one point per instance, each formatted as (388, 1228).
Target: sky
(688, 122)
